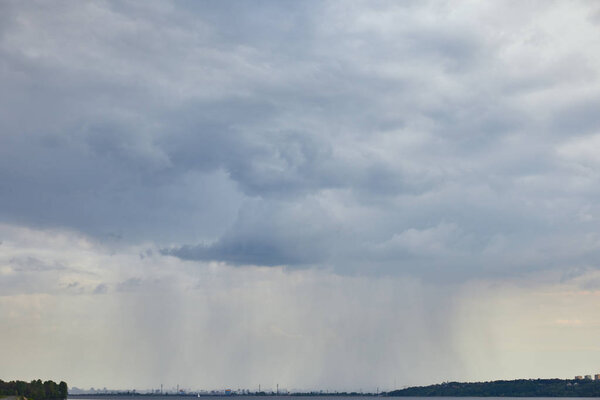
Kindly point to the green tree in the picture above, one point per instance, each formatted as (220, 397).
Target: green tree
(63, 390)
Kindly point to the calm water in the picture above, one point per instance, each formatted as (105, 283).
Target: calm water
(324, 397)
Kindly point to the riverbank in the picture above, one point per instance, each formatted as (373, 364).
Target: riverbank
(514, 388)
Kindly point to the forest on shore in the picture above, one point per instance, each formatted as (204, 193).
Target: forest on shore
(35, 390)
(514, 388)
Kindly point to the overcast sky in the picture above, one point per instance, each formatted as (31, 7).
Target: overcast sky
(316, 194)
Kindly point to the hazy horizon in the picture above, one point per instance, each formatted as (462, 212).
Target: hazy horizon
(283, 391)
(323, 194)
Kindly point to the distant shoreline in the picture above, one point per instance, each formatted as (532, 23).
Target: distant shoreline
(158, 395)
(503, 388)
(519, 388)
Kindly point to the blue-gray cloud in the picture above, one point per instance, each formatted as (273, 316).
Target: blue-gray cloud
(421, 138)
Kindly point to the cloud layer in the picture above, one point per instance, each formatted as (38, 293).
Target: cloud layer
(413, 138)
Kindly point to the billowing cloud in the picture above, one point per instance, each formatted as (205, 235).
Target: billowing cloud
(215, 140)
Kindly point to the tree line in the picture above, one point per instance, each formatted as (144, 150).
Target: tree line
(514, 388)
(35, 390)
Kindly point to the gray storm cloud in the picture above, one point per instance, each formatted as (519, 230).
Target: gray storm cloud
(415, 138)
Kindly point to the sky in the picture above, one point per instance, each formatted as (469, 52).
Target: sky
(336, 195)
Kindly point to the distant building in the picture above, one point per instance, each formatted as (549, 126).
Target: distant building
(578, 378)
(588, 377)
(597, 377)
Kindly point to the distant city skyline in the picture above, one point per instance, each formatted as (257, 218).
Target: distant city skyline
(176, 389)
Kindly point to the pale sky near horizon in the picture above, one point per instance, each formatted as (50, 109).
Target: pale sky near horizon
(317, 194)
